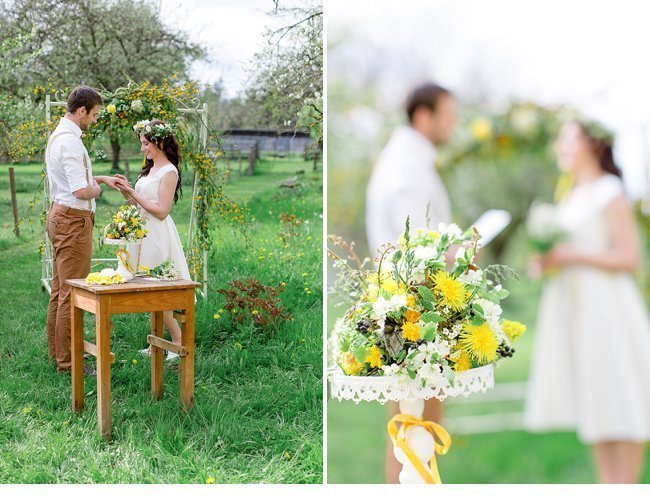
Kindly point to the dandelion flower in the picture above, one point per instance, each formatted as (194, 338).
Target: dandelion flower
(463, 362)
(450, 291)
(479, 342)
(209, 480)
(374, 358)
(513, 329)
(410, 301)
(411, 331)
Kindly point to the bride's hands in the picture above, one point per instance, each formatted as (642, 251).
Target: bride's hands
(558, 257)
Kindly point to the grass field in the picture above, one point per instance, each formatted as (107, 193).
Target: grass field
(258, 400)
(357, 437)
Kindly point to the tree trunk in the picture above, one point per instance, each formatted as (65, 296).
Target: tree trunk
(115, 145)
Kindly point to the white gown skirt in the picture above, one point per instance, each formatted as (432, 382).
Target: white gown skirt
(162, 242)
(591, 366)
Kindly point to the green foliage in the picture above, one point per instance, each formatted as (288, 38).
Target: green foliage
(96, 42)
(287, 84)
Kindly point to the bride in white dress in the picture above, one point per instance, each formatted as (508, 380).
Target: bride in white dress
(158, 185)
(590, 369)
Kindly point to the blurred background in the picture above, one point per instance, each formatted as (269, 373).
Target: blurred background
(518, 70)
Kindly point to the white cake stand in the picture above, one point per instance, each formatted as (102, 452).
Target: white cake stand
(417, 441)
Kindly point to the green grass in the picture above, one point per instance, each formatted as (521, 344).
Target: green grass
(357, 437)
(258, 399)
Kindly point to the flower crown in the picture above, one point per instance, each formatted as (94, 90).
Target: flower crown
(155, 131)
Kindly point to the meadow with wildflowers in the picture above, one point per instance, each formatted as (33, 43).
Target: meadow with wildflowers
(258, 398)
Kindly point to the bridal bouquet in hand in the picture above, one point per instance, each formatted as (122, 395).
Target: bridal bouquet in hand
(127, 225)
(417, 318)
(543, 228)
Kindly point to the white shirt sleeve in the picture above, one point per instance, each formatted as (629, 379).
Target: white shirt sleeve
(72, 160)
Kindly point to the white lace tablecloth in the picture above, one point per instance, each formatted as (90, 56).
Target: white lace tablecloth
(384, 388)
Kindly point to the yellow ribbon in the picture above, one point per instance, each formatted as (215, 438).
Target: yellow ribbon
(123, 256)
(441, 438)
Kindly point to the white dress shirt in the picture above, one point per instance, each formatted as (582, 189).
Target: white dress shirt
(66, 171)
(404, 183)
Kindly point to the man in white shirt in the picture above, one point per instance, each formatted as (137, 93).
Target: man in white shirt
(71, 217)
(404, 183)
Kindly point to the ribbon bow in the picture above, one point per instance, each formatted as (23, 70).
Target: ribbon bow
(123, 256)
(442, 441)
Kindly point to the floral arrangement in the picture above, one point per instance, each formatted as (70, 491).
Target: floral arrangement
(164, 271)
(106, 276)
(127, 224)
(155, 131)
(419, 320)
(542, 227)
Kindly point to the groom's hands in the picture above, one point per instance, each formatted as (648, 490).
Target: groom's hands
(116, 182)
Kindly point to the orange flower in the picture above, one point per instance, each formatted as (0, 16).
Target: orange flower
(412, 316)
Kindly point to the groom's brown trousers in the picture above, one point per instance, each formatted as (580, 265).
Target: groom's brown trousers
(71, 233)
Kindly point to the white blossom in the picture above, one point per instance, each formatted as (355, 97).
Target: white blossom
(471, 277)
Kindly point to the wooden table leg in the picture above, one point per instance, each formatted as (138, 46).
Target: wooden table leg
(77, 327)
(103, 340)
(187, 361)
(157, 356)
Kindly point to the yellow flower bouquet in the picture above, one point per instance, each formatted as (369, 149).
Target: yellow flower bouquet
(127, 225)
(417, 317)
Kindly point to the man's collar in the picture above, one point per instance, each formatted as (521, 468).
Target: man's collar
(71, 125)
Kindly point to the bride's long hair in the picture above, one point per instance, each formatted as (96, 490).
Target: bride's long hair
(170, 148)
(602, 145)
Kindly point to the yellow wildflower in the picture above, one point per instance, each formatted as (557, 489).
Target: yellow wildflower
(412, 316)
(481, 129)
(374, 358)
(209, 480)
(450, 291)
(255, 311)
(350, 364)
(110, 108)
(411, 331)
(463, 362)
(410, 301)
(513, 329)
(480, 342)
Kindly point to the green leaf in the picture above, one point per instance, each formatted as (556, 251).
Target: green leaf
(478, 320)
(361, 353)
(427, 305)
(384, 293)
(478, 310)
(426, 293)
(501, 294)
(412, 373)
(428, 332)
(397, 256)
(431, 317)
(401, 356)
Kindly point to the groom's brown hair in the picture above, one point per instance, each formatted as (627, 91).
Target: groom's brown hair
(425, 95)
(83, 96)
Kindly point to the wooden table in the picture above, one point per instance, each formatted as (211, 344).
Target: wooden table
(138, 295)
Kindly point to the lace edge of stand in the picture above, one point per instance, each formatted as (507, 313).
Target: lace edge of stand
(383, 389)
